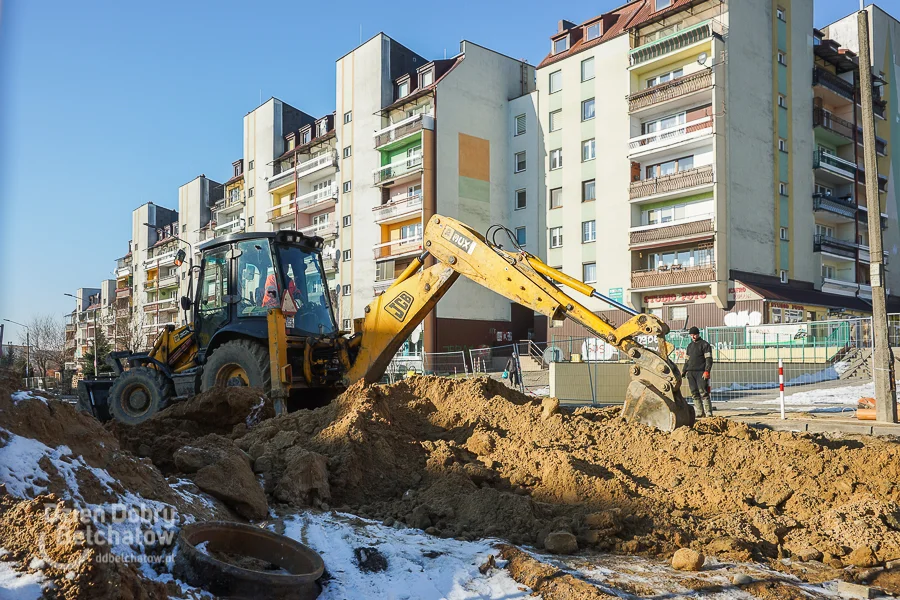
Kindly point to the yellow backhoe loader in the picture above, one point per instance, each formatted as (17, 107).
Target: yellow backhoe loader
(261, 316)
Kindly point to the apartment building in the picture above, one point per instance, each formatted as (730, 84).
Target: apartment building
(402, 160)
(95, 310)
(692, 167)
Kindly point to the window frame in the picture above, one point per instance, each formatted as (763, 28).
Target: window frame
(524, 120)
(587, 31)
(782, 58)
(524, 193)
(782, 234)
(593, 70)
(584, 105)
(657, 7)
(346, 290)
(783, 276)
(584, 267)
(551, 231)
(558, 73)
(551, 120)
(782, 145)
(348, 117)
(565, 40)
(782, 101)
(550, 196)
(348, 151)
(556, 154)
(780, 14)
(347, 255)
(584, 185)
(782, 188)
(592, 145)
(516, 168)
(524, 232)
(346, 220)
(346, 187)
(585, 238)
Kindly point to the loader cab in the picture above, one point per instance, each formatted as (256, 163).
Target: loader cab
(244, 275)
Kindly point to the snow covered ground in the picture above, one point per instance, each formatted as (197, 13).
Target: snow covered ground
(418, 565)
(19, 586)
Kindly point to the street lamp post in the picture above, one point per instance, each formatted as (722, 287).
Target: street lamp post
(27, 346)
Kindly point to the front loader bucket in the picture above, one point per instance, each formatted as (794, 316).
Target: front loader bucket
(665, 411)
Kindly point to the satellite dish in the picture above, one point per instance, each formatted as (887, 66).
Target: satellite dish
(337, 289)
(701, 60)
(416, 334)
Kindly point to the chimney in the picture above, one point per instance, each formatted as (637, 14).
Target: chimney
(564, 25)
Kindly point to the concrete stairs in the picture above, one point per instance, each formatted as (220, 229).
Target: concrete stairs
(860, 364)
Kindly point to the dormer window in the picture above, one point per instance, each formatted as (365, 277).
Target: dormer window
(561, 45)
(321, 127)
(592, 32)
(426, 78)
(661, 4)
(305, 136)
(237, 170)
(402, 89)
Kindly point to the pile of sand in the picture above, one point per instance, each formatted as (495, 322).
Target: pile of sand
(475, 459)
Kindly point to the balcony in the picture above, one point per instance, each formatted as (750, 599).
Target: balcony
(834, 166)
(232, 226)
(683, 181)
(865, 255)
(304, 169)
(229, 204)
(398, 209)
(330, 264)
(863, 216)
(832, 124)
(835, 246)
(160, 305)
(311, 202)
(382, 285)
(385, 138)
(671, 90)
(123, 271)
(840, 287)
(687, 230)
(843, 88)
(882, 179)
(394, 171)
(168, 281)
(150, 284)
(674, 42)
(323, 230)
(674, 275)
(841, 206)
(666, 138)
(398, 248)
(123, 293)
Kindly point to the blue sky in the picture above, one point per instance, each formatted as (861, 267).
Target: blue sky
(105, 105)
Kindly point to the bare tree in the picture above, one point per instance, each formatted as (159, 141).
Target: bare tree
(47, 337)
(129, 330)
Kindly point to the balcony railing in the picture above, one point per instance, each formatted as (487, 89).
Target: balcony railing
(834, 164)
(384, 284)
(833, 245)
(865, 254)
(282, 178)
(843, 206)
(123, 292)
(167, 304)
(400, 247)
(834, 83)
(683, 180)
(168, 281)
(330, 264)
(150, 284)
(399, 168)
(123, 271)
(673, 275)
(675, 41)
(228, 226)
(321, 229)
(399, 130)
(882, 179)
(697, 227)
(287, 209)
(229, 202)
(670, 90)
(672, 135)
(398, 207)
(826, 120)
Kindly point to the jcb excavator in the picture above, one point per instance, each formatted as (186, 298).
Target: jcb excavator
(261, 316)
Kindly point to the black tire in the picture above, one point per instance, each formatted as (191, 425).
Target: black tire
(246, 355)
(138, 394)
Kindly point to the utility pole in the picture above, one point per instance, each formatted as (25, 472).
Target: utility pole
(885, 387)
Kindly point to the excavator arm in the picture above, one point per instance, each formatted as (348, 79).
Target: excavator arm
(654, 394)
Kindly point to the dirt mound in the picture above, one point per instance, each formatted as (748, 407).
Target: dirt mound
(55, 546)
(221, 411)
(476, 459)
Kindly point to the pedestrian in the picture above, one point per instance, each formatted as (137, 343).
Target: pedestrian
(697, 365)
(512, 370)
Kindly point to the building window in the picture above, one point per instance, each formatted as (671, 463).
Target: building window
(780, 13)
(823, 189)
(347, 255)
(589, 272)
(305, 136)
(346, 186)
(520, 236)
(588, 150)
(782, 101)
(783, 189)
(555, 198)
(587, 109)
(782, 144)
(784, 276)
(664, 77)
(588, 231)
(782, 59)
(347, 151)
(520, 162)
(556, 120)
(346, 325)
(426, 78)
(561, 45)
(521, 199)
(402, 89)
(669, 167)
(661, 4)
(556, 237)
(237, 170)
(592, 32)
(588, 191)
(183, 228)
(827, 271)
(348, 116)
(520, 125)
(250, 221)
(346, 290)
(250, 193)
(250, 165)
(783, 233)
(556, 159)
(587, 69)
(555, 81)
(346, 220)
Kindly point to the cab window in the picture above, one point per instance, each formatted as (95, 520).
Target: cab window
(258, 287)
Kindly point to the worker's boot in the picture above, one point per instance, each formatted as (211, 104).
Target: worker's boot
(707, 405)
(699, 410)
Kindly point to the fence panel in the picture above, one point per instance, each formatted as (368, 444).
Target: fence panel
(445, 363)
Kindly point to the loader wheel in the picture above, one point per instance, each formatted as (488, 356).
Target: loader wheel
(237, 363)
(138, 394)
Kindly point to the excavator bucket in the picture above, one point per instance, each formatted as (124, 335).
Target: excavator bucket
(664, 410)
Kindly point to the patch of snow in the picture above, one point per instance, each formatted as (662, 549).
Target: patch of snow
(847, 395)
(827, 374)
(25, 395)
(542, 391)
(19, 586)
(451, 572)
(202, 547)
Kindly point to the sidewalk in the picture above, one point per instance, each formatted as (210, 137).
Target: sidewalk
(818, 422)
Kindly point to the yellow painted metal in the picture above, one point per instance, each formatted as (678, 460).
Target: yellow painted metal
(176, 348)
(281, 380)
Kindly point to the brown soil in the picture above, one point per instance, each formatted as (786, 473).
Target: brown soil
(475, 459)
(548, 581)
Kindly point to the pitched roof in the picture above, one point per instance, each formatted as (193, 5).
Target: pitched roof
(614, 24)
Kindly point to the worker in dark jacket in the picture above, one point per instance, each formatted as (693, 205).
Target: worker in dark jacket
(697, 365)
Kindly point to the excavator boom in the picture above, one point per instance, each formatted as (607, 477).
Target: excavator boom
(654, 394)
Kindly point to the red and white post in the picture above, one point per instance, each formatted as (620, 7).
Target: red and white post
(781, 385)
